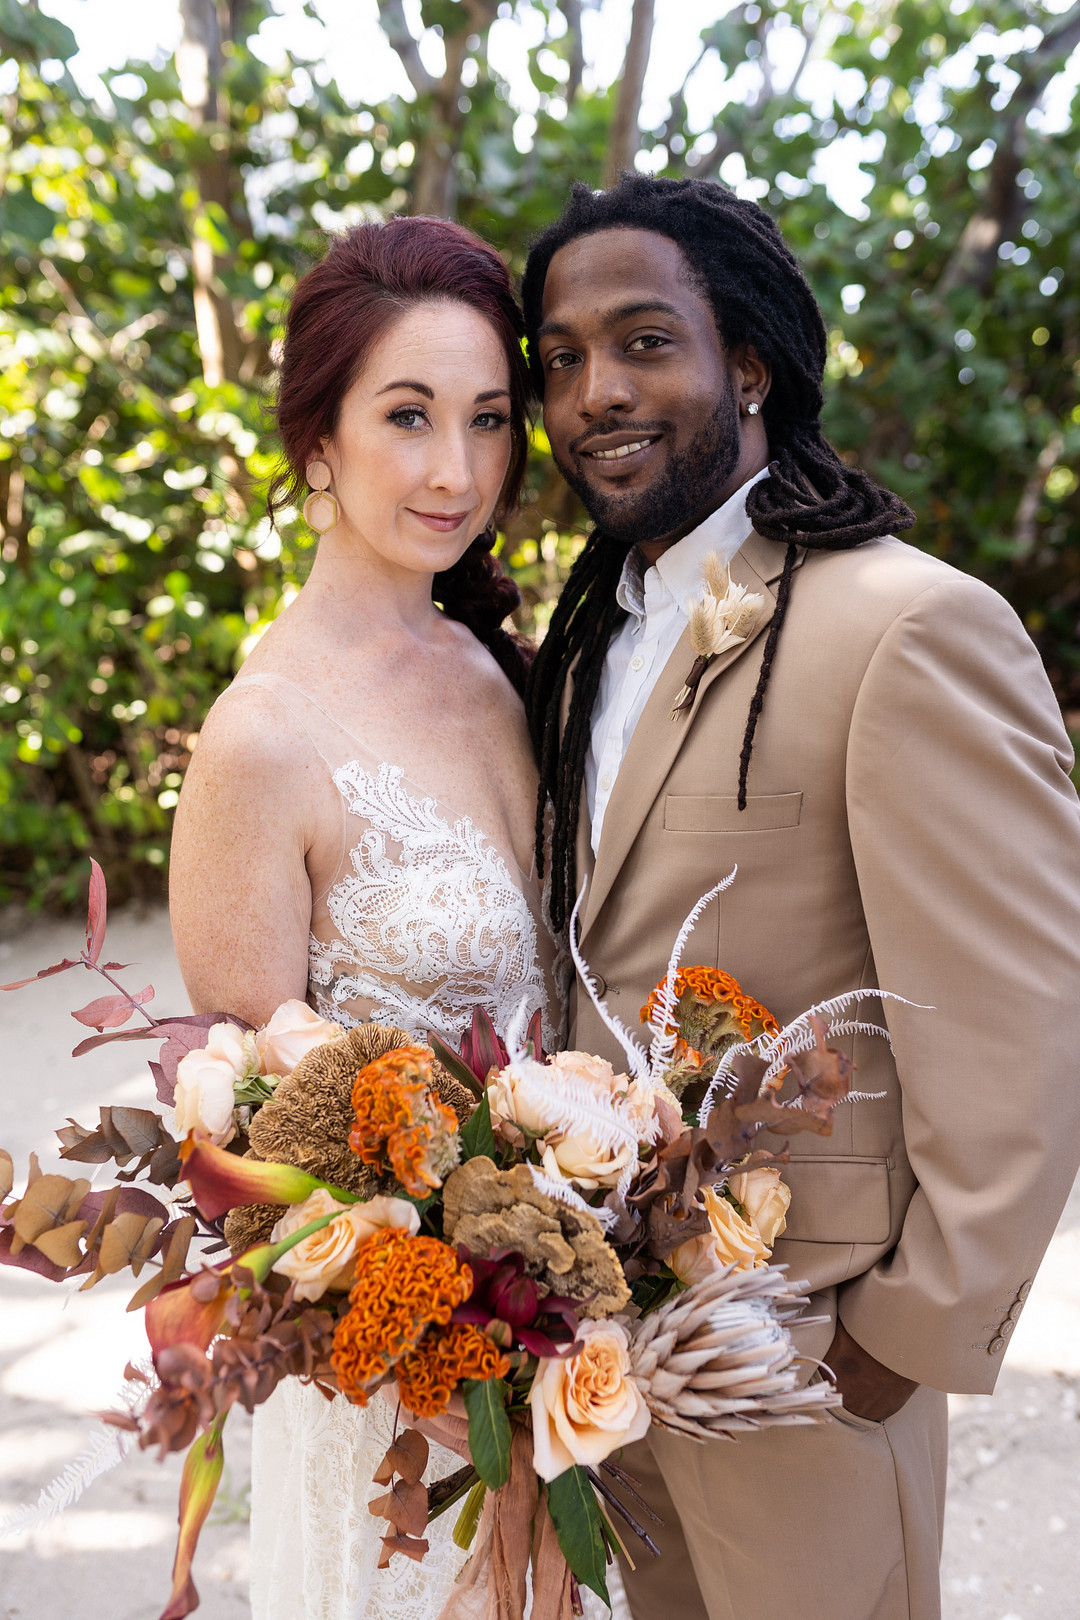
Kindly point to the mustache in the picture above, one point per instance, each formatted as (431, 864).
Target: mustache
(615, 425)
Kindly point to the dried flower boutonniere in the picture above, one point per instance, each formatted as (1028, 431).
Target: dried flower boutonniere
(721, 617)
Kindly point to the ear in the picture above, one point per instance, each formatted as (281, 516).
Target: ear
(751, 377)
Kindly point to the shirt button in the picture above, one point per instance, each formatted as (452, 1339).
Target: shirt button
(637, 662)
(605, 782)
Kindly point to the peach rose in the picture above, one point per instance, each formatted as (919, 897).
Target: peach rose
(586, 1405)
(731, 1241)
(765, 1199)
(205, 1079)
(326, 1260)
(537, 1096)
(290, 1035)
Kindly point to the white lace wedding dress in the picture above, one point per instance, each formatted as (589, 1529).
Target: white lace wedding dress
(425, 918)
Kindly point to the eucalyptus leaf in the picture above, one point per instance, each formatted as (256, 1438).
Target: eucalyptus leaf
(489, 1429)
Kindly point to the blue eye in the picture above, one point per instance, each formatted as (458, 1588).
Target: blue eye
(407, 416)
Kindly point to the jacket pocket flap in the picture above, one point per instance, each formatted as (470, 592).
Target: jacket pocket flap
(837, 1199)
(709, 814)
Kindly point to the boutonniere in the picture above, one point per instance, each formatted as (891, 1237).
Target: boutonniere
(721, 617)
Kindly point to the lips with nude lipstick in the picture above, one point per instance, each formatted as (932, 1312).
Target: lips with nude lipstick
(441, 522)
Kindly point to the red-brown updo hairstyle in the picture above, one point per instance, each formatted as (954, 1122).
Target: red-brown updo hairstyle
(370, 277)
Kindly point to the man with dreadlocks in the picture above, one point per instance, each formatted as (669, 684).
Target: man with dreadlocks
(869, 735)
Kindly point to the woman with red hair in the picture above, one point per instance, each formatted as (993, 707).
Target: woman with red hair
(356, 828)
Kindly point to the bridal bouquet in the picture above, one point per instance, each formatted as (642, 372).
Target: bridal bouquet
(532, 1256)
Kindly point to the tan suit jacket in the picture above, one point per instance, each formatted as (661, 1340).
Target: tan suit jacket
(911, 825)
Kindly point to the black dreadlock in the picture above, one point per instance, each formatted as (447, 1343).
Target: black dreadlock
(759, 296)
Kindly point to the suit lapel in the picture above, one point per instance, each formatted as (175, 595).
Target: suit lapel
(657, 738)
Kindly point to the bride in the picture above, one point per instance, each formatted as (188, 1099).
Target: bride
(356, 827)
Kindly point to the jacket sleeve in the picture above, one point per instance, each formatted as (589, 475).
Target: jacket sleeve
(965, 830)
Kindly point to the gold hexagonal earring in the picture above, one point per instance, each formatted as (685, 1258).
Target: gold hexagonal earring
(320, 508)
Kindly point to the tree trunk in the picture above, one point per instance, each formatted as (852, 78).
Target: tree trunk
(572, 12)
(198, 64)
(434, 177)
(623, 142)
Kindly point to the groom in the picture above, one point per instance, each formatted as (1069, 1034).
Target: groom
(882, 757)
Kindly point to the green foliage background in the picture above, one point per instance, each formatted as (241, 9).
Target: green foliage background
(145, 253)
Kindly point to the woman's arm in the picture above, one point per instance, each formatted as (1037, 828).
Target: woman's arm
(239, 895)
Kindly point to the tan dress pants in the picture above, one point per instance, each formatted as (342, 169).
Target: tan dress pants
(842, 1521)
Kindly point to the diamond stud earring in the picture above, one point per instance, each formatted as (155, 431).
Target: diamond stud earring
(320, 508)
(753, 408)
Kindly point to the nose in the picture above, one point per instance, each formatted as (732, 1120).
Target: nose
(604, 386)
(451, 469)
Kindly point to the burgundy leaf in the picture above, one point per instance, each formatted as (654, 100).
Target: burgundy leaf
(45, 973)
(538, 1344)
(536, 1036)
(159, 1031)
(481, 1048)
(96, 912)
(29, 1259)
(109, 1012)
(117, 967)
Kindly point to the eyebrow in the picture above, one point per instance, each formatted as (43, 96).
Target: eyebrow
(622, 312)
(428, 393)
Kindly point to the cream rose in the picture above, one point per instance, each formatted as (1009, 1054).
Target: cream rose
(731, 1241)
(537, 1096)
(326, 1260)
(290, 1035)
(765, 1199)
(205, 1078)
(586, 1405)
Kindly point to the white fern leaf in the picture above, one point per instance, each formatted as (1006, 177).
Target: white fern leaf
(663, 1043)
(636, 1060)
(799, 1036)
(571, 1107)
(106, 1448)
(563, 1193)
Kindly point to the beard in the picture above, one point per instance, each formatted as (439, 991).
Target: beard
(683, 492)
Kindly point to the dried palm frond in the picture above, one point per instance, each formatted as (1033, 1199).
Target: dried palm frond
(718, 1359)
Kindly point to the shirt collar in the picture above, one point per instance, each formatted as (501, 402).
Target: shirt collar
(680, 568)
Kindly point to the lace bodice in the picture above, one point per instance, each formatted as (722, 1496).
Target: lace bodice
(426, 916)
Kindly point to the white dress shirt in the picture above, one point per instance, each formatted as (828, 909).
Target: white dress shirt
(655, 599)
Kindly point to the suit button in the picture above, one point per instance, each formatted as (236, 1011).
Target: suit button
(1023, 1291)
(1006, 1327)
(1014, 1310)
(599, 985)
(996, 1346)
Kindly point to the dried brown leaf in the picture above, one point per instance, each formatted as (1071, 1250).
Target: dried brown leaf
(7, 1173)
(130, 1240)
(404, 1506)
(48, 1202)
(61, 1244)
(402, 1544)
(172, 1267)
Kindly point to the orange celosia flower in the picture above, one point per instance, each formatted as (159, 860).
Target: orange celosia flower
(712, 988)
(403, 1285)
(400, 1123)
(428, 1375)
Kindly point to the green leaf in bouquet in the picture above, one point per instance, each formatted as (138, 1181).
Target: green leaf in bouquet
(579, 1525)
(489, 1429)
(477, 1136)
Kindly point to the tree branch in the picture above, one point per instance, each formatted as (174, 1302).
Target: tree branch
(972, 262)
(623, 141)
(396, 29)
(572, 13)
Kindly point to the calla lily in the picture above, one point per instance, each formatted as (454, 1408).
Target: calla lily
(220, 1181)
(191, 1311)
(198, 1487)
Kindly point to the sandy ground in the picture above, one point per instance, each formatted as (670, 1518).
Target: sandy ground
(1014, 1500)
